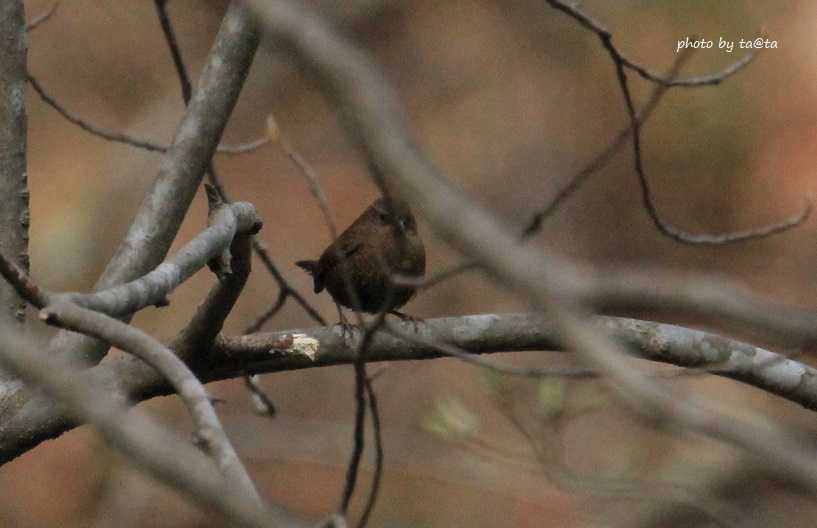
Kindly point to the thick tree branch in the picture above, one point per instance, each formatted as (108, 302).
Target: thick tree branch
(14, 212)
(374, 118)
(58, 310)
(153, 288)
(165, 204)
(171, 368)
(132, 380)
(145, 443)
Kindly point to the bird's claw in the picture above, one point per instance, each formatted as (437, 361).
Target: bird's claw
(415, 321)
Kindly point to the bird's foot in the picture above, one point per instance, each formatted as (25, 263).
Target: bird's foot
(415, 321)
(347, 329)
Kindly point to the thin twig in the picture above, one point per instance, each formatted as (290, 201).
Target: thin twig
(648, 201)
(34, 24)
(601, 159)
(378, 454)
(175, 50)
(90, 128)
(243, 148)
(596, 27)
(126, 139)
(358, 437)
(360, 402)
(258, 247)
(263, 403)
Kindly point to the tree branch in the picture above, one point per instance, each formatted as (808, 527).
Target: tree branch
(14, 212)
(132, 380)
(375, 120)
(154, 287)
(145, 443)
(132, 340)
(165, 204)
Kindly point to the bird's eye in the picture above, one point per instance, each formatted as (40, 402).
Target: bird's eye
(384, 217)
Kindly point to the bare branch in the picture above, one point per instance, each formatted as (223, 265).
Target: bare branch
(107, 135)
(129, 339)
(154, 287)
(126, 139)
(378, 454)
(258, 247)
(145, 443)
(603, 158)
(679, 235)
(14, 213)
(243, 148)
(19, 279)
(62, 313)
(165, 204)
(211, 314)
(596, 27)
(231, 357)
(375, 120)
(44, 17)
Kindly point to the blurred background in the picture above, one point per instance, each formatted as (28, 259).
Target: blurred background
(509, 99)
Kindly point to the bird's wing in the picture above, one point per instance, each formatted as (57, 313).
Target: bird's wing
(329, 259)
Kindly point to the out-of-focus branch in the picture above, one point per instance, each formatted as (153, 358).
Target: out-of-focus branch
(14, 213)
(232, 356)
(146, 444)
(374, 118)
(165, 204)
(129, 339)
(576, 180)
(376, 121)
(44, 17)
(58, 310)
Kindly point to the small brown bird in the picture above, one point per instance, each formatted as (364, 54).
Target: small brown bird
(381, 243)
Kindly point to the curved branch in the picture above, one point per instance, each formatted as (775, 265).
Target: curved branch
(44, 17)
(133, 380)
(647, 198)
(374, 118)
(166, 202)
(144, 442)
(154, 287)
(129, 339)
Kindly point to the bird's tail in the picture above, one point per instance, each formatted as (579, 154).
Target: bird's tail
(310, 266)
